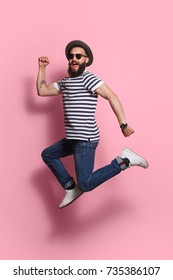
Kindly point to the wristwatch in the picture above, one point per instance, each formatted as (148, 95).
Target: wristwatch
(123, 126)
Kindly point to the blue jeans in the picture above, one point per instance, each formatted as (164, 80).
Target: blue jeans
(84, 154)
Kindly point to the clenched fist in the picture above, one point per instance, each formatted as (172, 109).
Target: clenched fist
(43, 61)
(128, 131)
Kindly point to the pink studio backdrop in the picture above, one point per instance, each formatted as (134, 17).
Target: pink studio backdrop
(130, 216)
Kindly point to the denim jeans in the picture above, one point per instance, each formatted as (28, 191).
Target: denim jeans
(84, 154)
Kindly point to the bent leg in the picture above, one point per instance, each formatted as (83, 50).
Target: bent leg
(88, 180)
(51, 156)
(101, 175)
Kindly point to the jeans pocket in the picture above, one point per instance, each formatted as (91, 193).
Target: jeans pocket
(79, 145)
(94, 144)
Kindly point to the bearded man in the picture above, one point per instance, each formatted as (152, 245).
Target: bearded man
(80, 91)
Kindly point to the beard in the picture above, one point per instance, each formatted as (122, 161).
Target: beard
(77, 73)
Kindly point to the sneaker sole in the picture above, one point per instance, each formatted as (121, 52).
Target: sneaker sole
(71, 201)
(138, 156)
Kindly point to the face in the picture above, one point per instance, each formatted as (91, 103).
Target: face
(77, 61)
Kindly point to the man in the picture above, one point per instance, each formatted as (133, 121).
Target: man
(80, 91)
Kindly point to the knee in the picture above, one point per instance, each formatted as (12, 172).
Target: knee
(44, 154)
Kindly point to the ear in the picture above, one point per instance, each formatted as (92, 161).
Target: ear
(87, 60)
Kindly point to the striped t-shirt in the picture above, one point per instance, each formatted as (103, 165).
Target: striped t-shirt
(79, 102)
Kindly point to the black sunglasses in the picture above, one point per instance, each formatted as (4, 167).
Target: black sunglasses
(78, 55)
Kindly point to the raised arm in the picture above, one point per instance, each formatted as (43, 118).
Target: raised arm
(115, 103)
(42, 88)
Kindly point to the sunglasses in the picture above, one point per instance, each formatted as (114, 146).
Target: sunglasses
(78, 55)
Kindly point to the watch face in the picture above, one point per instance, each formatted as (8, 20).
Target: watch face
(123, 126)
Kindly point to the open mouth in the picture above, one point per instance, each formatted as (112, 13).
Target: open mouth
(74, 66)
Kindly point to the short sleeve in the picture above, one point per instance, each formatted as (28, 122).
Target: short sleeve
(57, 85)
(92, 82)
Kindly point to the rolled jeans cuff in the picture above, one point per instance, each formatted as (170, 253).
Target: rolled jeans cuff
(121, 163)
(69, 184)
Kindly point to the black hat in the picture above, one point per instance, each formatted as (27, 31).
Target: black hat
(78, 43)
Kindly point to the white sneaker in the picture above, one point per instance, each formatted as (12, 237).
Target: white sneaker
(135, 160)
(70, 196)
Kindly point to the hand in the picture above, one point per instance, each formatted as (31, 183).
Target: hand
(43, 61)
(128, 131)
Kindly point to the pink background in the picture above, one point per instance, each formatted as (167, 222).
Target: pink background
(130, 216)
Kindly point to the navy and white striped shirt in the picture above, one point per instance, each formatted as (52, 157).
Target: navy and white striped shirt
(79, 102)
